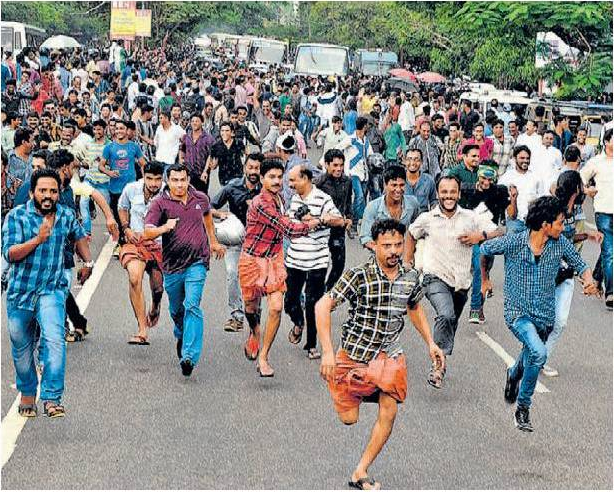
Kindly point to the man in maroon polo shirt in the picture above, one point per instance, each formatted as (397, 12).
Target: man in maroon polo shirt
(182, 216)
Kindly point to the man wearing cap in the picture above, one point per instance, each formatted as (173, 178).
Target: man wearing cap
(487, 197)
(286, 146)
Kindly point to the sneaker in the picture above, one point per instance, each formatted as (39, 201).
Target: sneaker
(186, 367)
(233, 325)
(522, 420)
(608, 302)
(550, 372)
(476, 317)
(511, 388)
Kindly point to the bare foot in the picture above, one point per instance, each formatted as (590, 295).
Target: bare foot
(265, 369)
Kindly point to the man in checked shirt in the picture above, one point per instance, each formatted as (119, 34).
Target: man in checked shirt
(370, 363)
(261, 264)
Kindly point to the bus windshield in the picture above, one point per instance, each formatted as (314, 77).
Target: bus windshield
(321, 60)
(273, 53)
(7, 38)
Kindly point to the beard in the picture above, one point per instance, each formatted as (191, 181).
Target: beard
(253, 178)
(45, 211)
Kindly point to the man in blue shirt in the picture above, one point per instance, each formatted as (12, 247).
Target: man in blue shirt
(34, 237)
(118, 162)
(532, 261)
(418, 184)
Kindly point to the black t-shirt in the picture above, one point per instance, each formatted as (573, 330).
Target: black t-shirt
(442, 133)
(229, 160)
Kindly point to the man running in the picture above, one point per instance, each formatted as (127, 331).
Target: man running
(182, 216)
(261, 265)
(138, 256)
(532, 261)
(370, 363)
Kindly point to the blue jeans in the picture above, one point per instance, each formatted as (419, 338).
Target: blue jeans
(563, 297)
(360, 190)
(305, 126)
(185, 291)
(604, 225)
(50, 312)
(515, 225)
(84, 204)
(476, 286)
(235, 300)
(531, 359)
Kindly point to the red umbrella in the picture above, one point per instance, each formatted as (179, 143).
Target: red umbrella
(431, 78)
(402, 74)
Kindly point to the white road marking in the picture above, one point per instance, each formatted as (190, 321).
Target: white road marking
(13, 423)
(507, 358)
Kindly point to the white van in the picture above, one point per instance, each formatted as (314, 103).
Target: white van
(16, 36)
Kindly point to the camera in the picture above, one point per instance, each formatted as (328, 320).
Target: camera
(301, 212)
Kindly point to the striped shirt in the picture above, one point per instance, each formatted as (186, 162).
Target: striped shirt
(42, 271)
(311, 252)
(444, 255)
(377, 311)
(93, 152)
(529, 286)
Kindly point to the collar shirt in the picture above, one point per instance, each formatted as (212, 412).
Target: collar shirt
(430, 154)
(444, 255)
(530, 282)
(529, 187)
(42, 271)
(378, 307)
(238, 196)
(330, 139)
(600, 168)
(167, 143)
(502, 152)
(377, 210)
(356, 153)
(424, 191)
(196, 153)
(133, 201)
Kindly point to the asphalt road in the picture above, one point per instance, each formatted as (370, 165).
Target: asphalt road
(134, 422)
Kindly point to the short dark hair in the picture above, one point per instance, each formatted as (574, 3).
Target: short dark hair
(197, 115)
(130, 125)
(101, 123)
(226, 123)
(444, 176)
(60, 158)
(454, 123)
(572, 154)
(361, 123)
(33, 114)
(336, 119)
(498, 121)
(269, 164)
(178, 168)
(394, 172)
(551, 132)
(607, 136)
(437, 116)
(545, 209)
(332, 154)
(22, 135)
(469, 147)
(381, 227)
(520, 148)
(41, 154)
(44, 173)
(416, 149)
(255, 156)
(154, 167)
(568, 183)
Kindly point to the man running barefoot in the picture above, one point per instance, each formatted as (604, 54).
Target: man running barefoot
(138, 255)
(370, 363)
(261, 265)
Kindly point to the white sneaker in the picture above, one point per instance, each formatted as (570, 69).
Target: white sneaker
(550, 372)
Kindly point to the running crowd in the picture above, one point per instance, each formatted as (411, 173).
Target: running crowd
(430, 189)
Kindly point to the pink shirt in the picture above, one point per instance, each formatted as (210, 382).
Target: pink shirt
(486, 148)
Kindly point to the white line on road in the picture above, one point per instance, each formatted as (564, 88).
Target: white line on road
(507, 358)
(13, 423)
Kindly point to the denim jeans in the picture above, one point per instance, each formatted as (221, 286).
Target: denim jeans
(604, 225)
(84, 204)
(185, 291)
(531, 359)
(49, 312)
(476, 286)
(360, 191)
(448, 305)
(515, 225)
(305, 126)
(235, 301)
(563, 297)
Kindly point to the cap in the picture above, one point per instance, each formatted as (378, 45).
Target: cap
(487, 172)
(286, 142)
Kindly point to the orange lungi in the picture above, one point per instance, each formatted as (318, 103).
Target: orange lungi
(259, 277)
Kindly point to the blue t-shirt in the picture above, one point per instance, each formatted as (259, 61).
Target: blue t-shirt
(122, 158)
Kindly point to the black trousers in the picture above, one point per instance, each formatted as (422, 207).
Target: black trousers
(74, 315)
(314, 282)
(336, 245)
(114, 201)
(197, 183)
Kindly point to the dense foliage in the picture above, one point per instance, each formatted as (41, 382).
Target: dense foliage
(490, 41)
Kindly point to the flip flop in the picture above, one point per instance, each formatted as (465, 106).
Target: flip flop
(264, 374)
(138, 340)
(361, 482)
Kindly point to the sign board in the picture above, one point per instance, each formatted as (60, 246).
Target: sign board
(123, 20)
(143, 23)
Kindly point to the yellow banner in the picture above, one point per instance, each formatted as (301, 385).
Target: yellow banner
(143, 23)
(123, 20)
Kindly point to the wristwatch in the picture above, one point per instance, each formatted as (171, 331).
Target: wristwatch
(88, 264)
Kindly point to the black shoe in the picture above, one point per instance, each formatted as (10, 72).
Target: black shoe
(511, 388)
(522, 420)
(186, 367)
(179, 344)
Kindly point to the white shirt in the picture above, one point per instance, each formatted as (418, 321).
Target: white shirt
(360, 169)
(601, 169)
(529, 186)
(82, 74)
(534, 142)
(331, 139)
(407, 116)
(546, 163)
(133, 91)
(167, 143)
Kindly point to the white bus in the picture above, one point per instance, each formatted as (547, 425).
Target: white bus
(321, 59)
(268, 51)
(16, 36)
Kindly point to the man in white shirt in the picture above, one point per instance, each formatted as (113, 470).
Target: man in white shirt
(525, 186)
(407, 117)
(331, 136)
(530, 137)
(547, 160)
(167, 140)
(133, 91)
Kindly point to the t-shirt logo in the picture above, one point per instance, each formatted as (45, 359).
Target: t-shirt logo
(198, 206)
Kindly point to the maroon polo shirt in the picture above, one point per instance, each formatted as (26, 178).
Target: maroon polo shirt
(187, 243)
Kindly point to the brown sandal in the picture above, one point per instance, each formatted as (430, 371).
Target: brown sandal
(295, 336)
(53, 410)
(436, 376)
